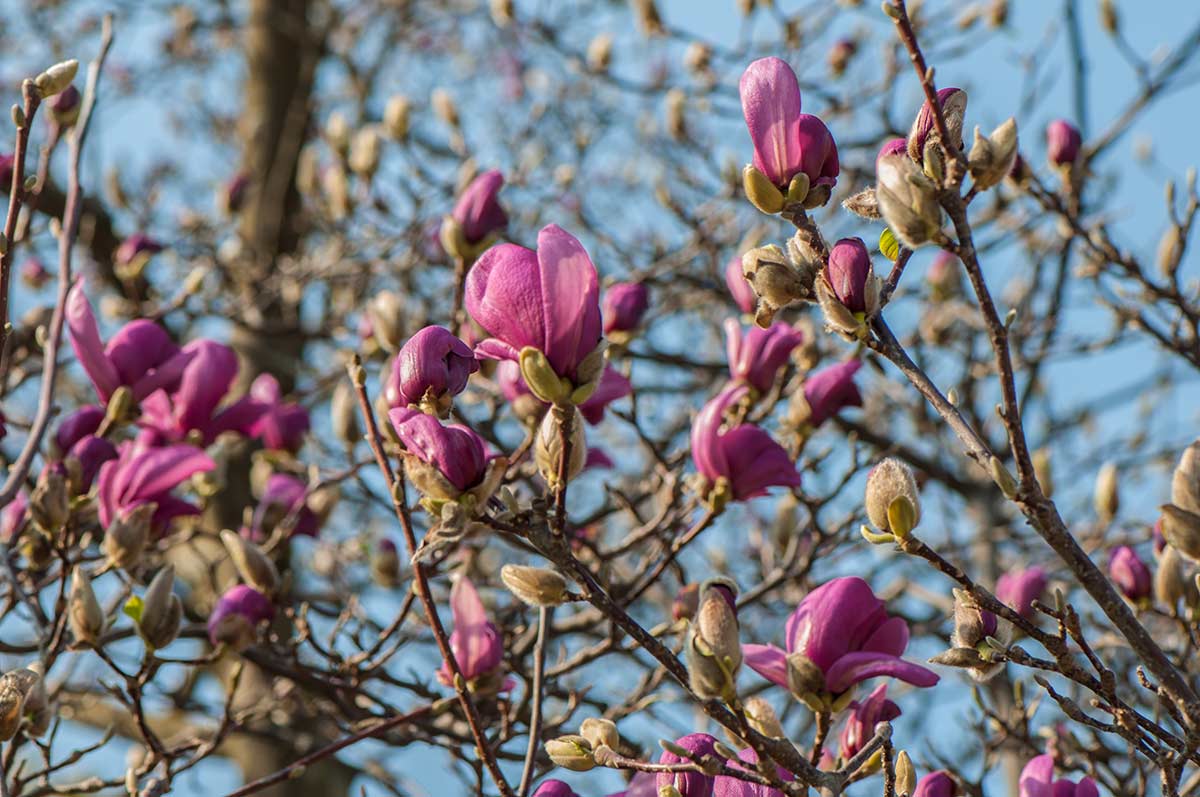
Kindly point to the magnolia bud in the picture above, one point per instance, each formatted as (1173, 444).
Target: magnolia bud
(991, 159)
(599, 53)
(1170, 250)
(50, 504)
(548, 448)
(600, 732)
(255, 568)
(906, 774)
(83, 611)
(1185, 481)
(365, 150)
(907, 200)
(385, 564)
(762, 718)
(1171, 583)
(571, 752)
(56, 78)
(337, 132)
(1041, 469)
(805, 679)
(126, 537)
(444, 107)
(761, 192)
(534, 586)
(395, 117)
(386, 312)
(1181, 529)
(21, 691)
(161, 612)
(892, 501)
(676, 102)
(863, 204)
(1003, 479)
(713, 650)
(343, 412)
(1107, 499)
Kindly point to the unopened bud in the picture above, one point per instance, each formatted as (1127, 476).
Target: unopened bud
(1108, 16)
(1107, 499)
(534, 586)
(600, 732)
(906, 774)
(83, 612)
(571, 752)
(599, 52)
(385, 564)
(863, 204)
(395, 117)
(541, 378)
(444, 107)
(343, 412)
(120, 406)
(1170, 250)
(1171, 583)
(892, 501)
(337, 132)
(1181, 530)
(365, 151)
(56, 78)
(1043, 472)
(907, 200)
(762, 718)
(254, 566)
(713, 650)
(991, 159)
(548, 448)
(50, 504)
(1185, 480)
(805, 678)
(1003, 479)
(386, 312)
(162, 611)
(676, 104)
(126, 537)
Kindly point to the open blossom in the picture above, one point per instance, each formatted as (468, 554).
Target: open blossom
(756, 356)
(282, 425)
(137, 245)
(1063, 142)
(831, 390)
(478, 211)
(547, 300)
(140, 355)
(953, 102)
(624, 305)
(1020, 588)
(739, 288)
(726, 786)
(936, 784)
(432, 365)
(846, 634)
(1130, 573)
(444, 461)
(1037, 780)
(848, 271)
(475, 640)
(864, 716)
(689, 784)
(237, 616)
(148, 475)
(786, 142)
(744, 457)
(196, 405)
(284, 497)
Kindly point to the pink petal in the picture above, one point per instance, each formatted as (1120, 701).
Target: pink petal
(855, 667)
(771, 104)
(85, 339)
(570, 299)
(768, 661)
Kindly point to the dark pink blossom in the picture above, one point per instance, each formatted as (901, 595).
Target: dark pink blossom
(475, 640)
(1129, 573)
(864, 716)
(786, 142)
(284, 497)
(935, 784)
(613, 385)
(478, 211)
(1037, 780)
(756, 356)
(726, 786)
(689, 784)
(455, 451)
(624, 305)
(282, 426)
(843, 629)
(1020, 588)
(893, 146)
(142, 476)
(848, 271)
(953, 102)
(554, 788)
(739, 288)
(831, 390)
(745, 456)
(1063, 142)
(237, 616)
(137, 245)
(432, 363)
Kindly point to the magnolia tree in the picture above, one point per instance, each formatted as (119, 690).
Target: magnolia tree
(418, 465)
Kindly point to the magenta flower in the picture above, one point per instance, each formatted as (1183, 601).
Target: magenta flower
(1063, 142)
(433, 364)
(935, 784)
(893, 146)
(79, 424)
(475, 640)
(612, 386)
(478, 211)
(689, 784)
(137, 245)
(547, 300)
(282, 425)
(142, 476)
(953, 102)
(284, 497)
(864, 716)
(845, 631)
(141, 355)
(1129, 573)
(1020, 588)
(91, 453)
(554, 788)
(786, 142)
(756, 357)
(743, 457)
(195, 406)
(848, 271)
(455, 452)
(831, 390)
(1037, 780)
(14, 517)
(237, 616)
(624, 305)
(726, 786)
(739, 288)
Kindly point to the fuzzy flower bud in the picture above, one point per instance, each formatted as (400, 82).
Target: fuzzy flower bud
(548, 448)
(161, 611)
(953, 102)
(1130, 574)
(254, 566)
(992, 158)
(236, 618)
(1107, 497)
(907, 200)
(713, 649)
(534, 586)
(571, 752)
(600, 732)
(892, 501)
(127, 535)
(83, 611)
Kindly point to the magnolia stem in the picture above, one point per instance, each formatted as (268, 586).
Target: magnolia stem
(535, 713)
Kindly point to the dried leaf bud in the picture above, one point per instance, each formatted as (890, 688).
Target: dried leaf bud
(906, 774)
(1185, 481)
(365, 151)
(991, 159)
(343, 412)
(892, 501)
(162, 611)
(713, 649)
(1181, 529)
(254, 566)
(571, 752)
(600, 732)
(863, 204)
(534, 586)
(56, 78)
(50, 504)
(337, 132)
(83, 611)
(1171, 583)
(444, 107)
(396, 117)
(1042, 470)
(599, 52)
(126, 537)
(762, 718)
(386, 312)
(548, 447)
(1107, 498)
(697, 57)
(1108, 16)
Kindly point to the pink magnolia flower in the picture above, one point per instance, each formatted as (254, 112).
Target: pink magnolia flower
(1063, 142)
(1020, 588)
(953, 102)
(689, 784)
(141, 476)
(786, 142)
(554, 788)
(475, 640)
(612, 386)
(284, 496)
(1037, 780)
(642, 784)
(848, 271)
(237, 616)
(1130, 573)
(893, 146)
(14, 517)
(726, 786)
(624, 305)
(831, 390)
(137, 245)
(454, 451)
(478, 211)
(34, 274)
(756, 357)
(936, 784)
(196, 404)
(864, 716)
(432, 363)
(76, 426)
(282, 425)
(75, 438)
(140, 355)
(739, 288)
(845, 631)
(548, 300)
(745, 456)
